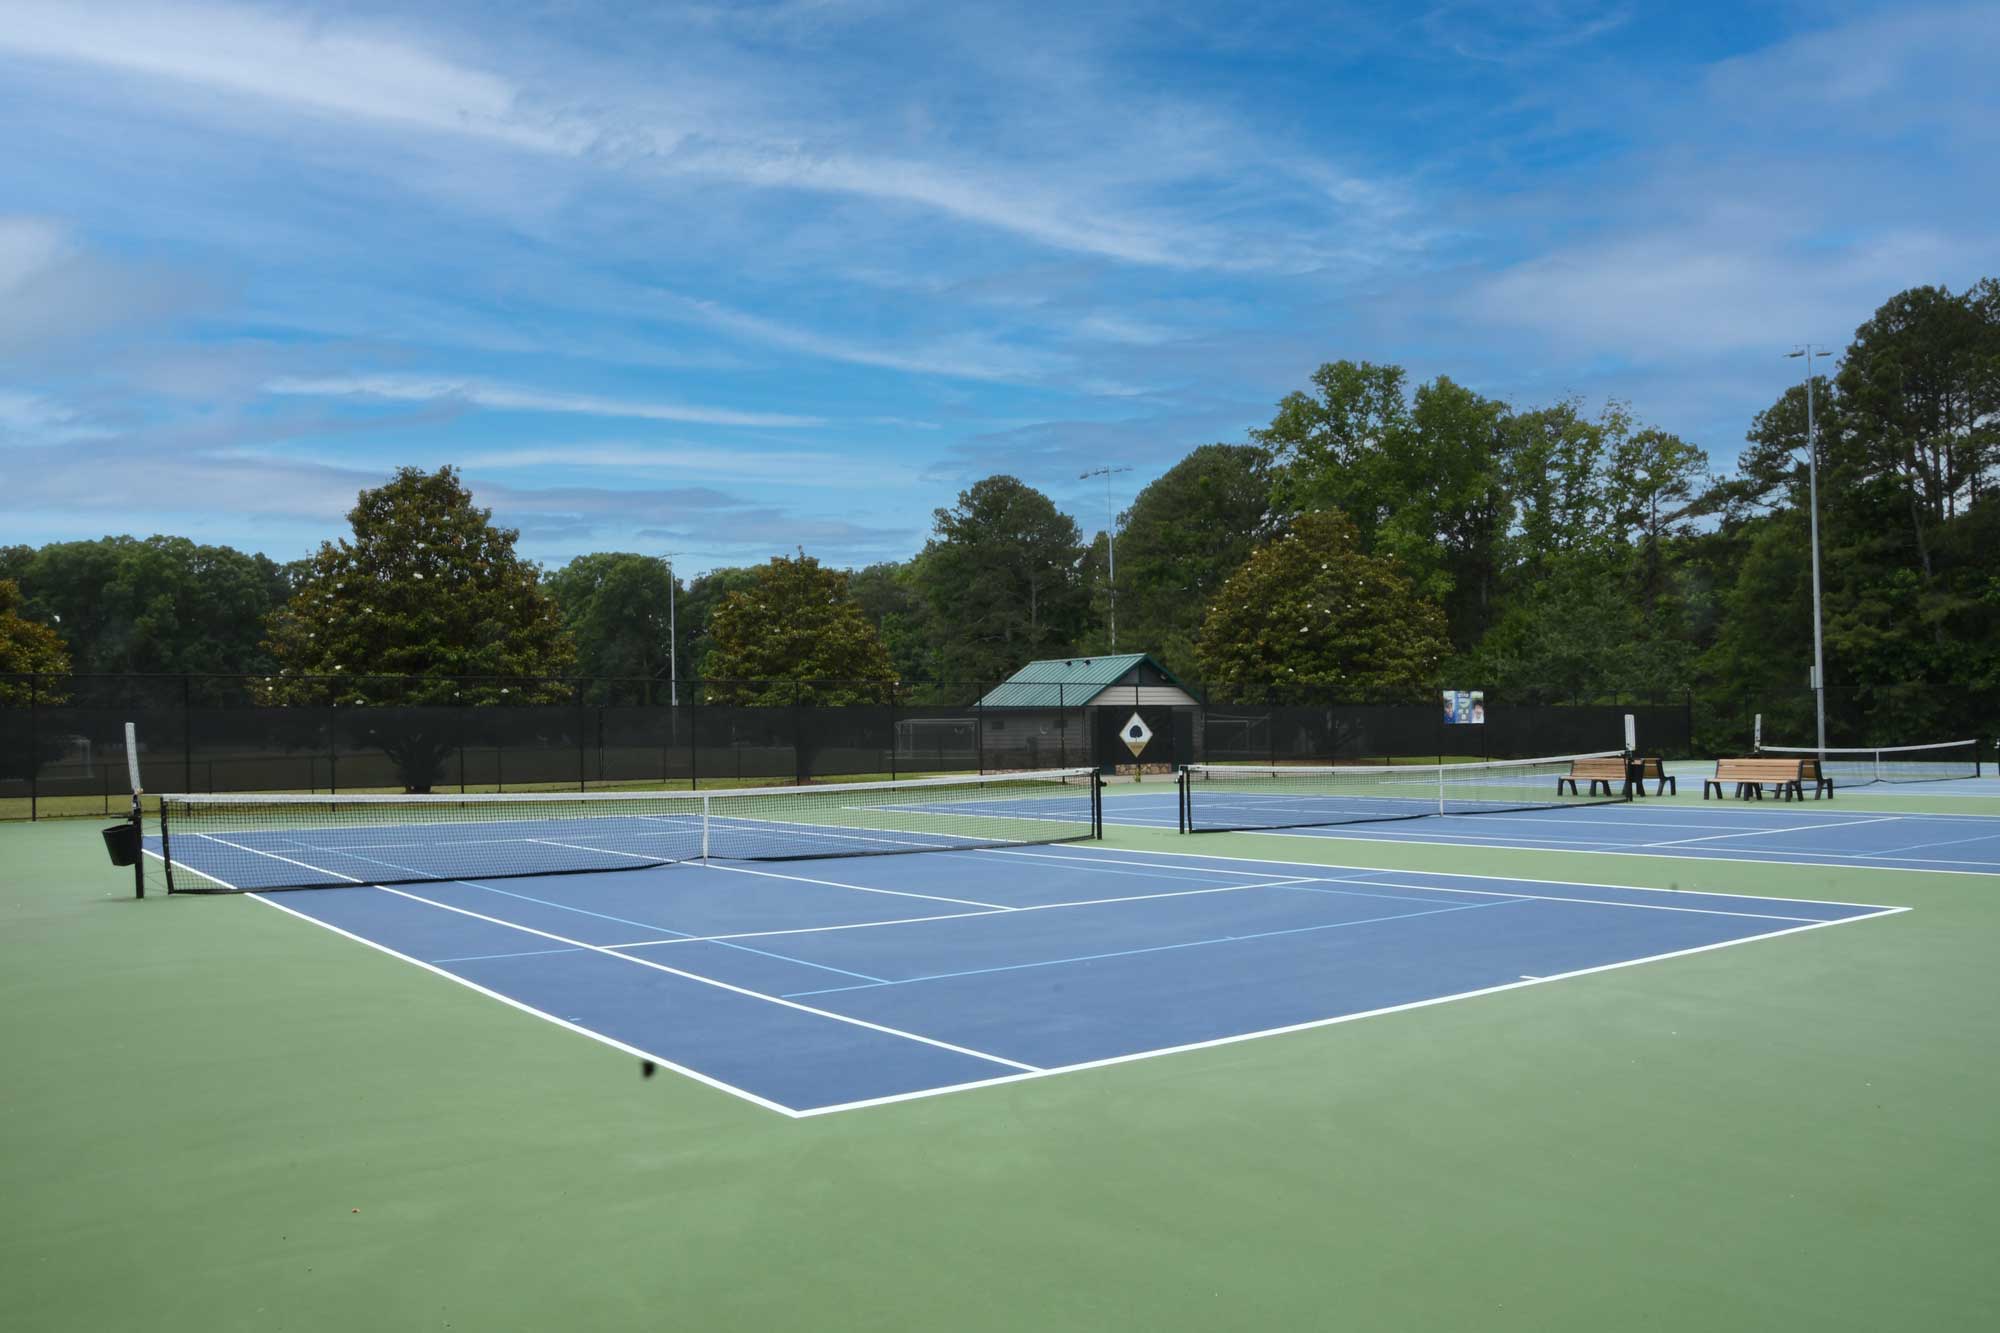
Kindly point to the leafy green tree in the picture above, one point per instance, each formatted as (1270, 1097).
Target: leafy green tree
(1331, 444)
(1653, 483)
(1311, 610)
(891, 597)
(1922, 379)
(424, 594)
(1187, 532)
(1001, 578)
(161, 604)
(697, 610)
(1556, 479)
(796, 635)
(1906, 448)
(27, 647)
(614, 606)
(1426, 478)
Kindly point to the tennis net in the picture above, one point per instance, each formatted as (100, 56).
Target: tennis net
(247, 843)
(1222, 797)
(1861, 766)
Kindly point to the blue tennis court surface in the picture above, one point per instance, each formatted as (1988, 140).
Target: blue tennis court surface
(1805, 833)
(818, 986)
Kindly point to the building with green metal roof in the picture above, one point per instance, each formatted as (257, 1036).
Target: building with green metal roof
(1121, 680)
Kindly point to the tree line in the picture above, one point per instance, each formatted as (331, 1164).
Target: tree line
(1377, 539)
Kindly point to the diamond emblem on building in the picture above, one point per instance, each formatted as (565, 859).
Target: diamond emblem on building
(1136, 734)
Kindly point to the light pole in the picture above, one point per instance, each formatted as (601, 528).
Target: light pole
(1809, 352)
(1110, 542)
(673, 644)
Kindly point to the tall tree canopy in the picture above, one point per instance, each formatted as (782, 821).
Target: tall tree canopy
(614, 606)
(1425, 479)
(27, 647)
(1001, 577)
(796, 635)
(425, 587)
(1311, 610)
(161, 604)
(891, 596)
(1185, 533)
(697, 612)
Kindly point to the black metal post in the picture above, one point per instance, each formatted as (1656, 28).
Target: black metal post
(166, 848)
(798, 748)
(34, 746)
(139, 849)
(187, 731)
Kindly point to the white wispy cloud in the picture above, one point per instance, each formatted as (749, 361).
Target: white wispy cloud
(514, 398)
(28, 417)
(960, 356)
(28, 246)
(376, 75)
(792, 467)
(322, 67)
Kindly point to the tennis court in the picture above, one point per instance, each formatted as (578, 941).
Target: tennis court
(808, 991)
(1818, 834)
(1474, 1035)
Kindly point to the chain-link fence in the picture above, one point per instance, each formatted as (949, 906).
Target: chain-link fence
(62, 737)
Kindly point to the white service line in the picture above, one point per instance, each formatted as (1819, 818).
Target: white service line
(1834, 861)
(1003, 911)
(543, 1014)
(1764, 832)
(1086, 853)
(608, 952)
(1920, 846)
(858, 888)
(1323, 1022)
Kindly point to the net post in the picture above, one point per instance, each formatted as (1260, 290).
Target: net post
(1097, 805)
(138, 860)
(136, 816)
(34, 746)
(704, 826)
(1181, 801)
(166, 847)
(1440, 777)
(187, 732)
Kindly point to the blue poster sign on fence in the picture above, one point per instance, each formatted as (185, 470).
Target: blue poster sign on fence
(1464, 707)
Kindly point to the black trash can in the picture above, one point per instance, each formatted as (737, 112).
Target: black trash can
(121, 842)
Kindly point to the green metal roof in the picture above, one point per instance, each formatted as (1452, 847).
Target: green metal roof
(1069, 682)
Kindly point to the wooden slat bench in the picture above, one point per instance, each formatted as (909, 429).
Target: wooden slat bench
(1599, 773)
(1809, 771)
(1651, 768)
(1751, 776)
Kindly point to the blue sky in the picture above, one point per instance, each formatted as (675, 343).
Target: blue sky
(723, 279)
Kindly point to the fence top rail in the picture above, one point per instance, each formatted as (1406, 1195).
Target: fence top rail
(240, 799)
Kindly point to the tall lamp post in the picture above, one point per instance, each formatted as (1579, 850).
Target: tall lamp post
(1110, 542)
(1809, 353)
(673, 639)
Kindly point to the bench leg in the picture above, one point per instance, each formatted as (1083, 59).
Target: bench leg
(1708, 784)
